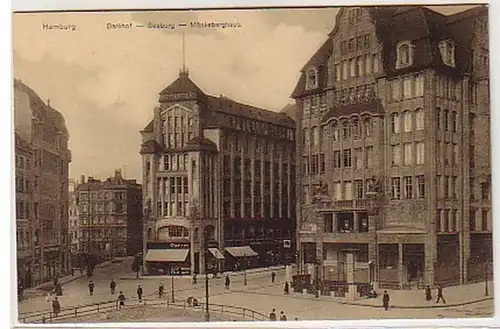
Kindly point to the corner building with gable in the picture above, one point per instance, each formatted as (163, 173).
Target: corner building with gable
(218, 182)
(393, 125)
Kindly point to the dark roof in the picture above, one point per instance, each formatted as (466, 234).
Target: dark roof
(374, 107)
(319, 61)
(41, 110)
(422, 26)
(150, 147)
(149, 127)
(200, 144)
(182, 85)
(21, 142)
(228, 106)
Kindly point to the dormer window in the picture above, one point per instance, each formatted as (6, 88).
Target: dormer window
(312, 78)
(447, 50)
(404, 54)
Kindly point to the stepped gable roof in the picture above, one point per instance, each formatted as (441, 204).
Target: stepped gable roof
(374, 107)
(319, 60)
(200, 144)
(40, 110)
(228, 106)
(182, 85)
(150, 147)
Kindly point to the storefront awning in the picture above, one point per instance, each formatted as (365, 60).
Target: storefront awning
(243, 251)
(216, 253)
(167, 255)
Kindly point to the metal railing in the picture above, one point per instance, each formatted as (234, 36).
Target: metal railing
(69, 313)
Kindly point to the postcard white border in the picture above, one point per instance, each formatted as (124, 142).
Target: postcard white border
(7, 231)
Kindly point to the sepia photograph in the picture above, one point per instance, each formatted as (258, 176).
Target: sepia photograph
(257, 164)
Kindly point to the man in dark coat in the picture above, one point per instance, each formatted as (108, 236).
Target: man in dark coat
(385, 300)
(440, 295)
(139, 293)
(273, 277)
(272, 316)
(161, 290)
(112, 286)
(91, 287)
(228, 281)
(283, 316)
(56, 307)
(428, 293)
(121, 299)
(287, 288)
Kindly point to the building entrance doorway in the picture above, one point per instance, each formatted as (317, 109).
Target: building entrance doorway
(414, 261)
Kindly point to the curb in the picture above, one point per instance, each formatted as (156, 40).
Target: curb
(421, 306)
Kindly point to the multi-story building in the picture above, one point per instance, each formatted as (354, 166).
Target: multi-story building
(110, 217)
(42, 161)
(393, 124)
(74, 216)
(220, 172)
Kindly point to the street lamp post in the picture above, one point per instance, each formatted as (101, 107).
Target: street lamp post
(173, 289)
(205, 250)
(316, 284)
(89, 214)
(486, 293)
(245, 263)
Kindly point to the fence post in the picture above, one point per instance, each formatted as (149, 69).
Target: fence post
(243, 313)
(253, 315)
(97, 307)
(76, 311)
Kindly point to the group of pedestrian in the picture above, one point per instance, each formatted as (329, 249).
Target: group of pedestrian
(273, 316)
(428, 296)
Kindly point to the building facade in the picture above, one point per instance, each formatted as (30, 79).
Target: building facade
(42, 162)
(74, 216)
(216, 173)
(110, 217)
(393, 125)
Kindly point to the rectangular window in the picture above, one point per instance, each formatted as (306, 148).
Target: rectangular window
(359, 189)
(420, 148)
(419, 119)
(314, 164)
(446, 186)
(484, 220)
(419, 85)
(396, 155)
(438, 152)
(455, 154)
(407, 121)
(446, 220)
(472, 219)
(408, 154)
(420, 186)
(454, 221)
(396, 188)
(395, 123)
(368, 64)
(408, 184)
(360, 66)
(369, 157)
(445, 123)
(347, 158)
(321, 163)
(345, 70)
(338, 190)
(396, 90)
(438, 221)
(358, 158)
(407, 88)
(485, 191)
(352, 66)
(439, 186)
(338, 72)
(347, 191)
(376, 63)
(454, 187)
(438, 118)
(336, 159)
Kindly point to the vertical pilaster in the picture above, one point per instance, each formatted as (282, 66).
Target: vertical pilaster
(356, 221)
(401, 266)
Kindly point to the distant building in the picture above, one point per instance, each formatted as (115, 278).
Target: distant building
(393, 123)
(110, 217)
(42, 160)
(74, 219)
(220, 172)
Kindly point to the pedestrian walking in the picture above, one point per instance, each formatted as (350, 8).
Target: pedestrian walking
(228, 281)
(282, 316)
(287, 288)
(194, 278)
(91, 288)
(272, 315)
(428, 293)
(112, 286)
(56, 307)
(72, 271)
(273, 277)
(121, 299)
(385, 300)
(440, 294)
(139, 293)
(161, 290)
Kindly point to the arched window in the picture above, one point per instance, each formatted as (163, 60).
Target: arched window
(346, 130)
(407, 121)
(305, 137)
(447, 50)
(367, 127)
(312, 78)
(335, 132)
(356, 129)
(419, 119)
(404, 54)
(315, 136)
(395, 123)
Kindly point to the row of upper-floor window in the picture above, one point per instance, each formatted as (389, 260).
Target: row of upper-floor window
(356, 158)
(358, 43)
(407, 87)
(408, 187)
(104, 233)
(246, 145)
(178, 123)
(446, 120)
(244, 166)
(101, 195)
(103, 207)
(256, 127)
(357, 67)
(346, 130)
(100, 220)
(22, 162)
(172, 208)
(447, 153)
(484, 190)
(479, 224)
(173, 185)
(177, 140)
(405, 155)
(174, 162)
(447, 220)
(408, 121)
(264, 209)
(173, 231)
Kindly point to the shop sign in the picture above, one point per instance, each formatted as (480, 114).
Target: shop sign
(177, 245)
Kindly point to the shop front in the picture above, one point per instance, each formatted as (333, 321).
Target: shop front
(168, 258)
(240, 258)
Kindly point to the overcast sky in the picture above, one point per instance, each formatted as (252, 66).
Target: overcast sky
(106, 82)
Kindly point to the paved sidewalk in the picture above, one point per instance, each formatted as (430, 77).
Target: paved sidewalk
(415, 299)
(250, 272)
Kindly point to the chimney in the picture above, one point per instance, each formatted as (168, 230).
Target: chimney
(118, 174)
(82, 179)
